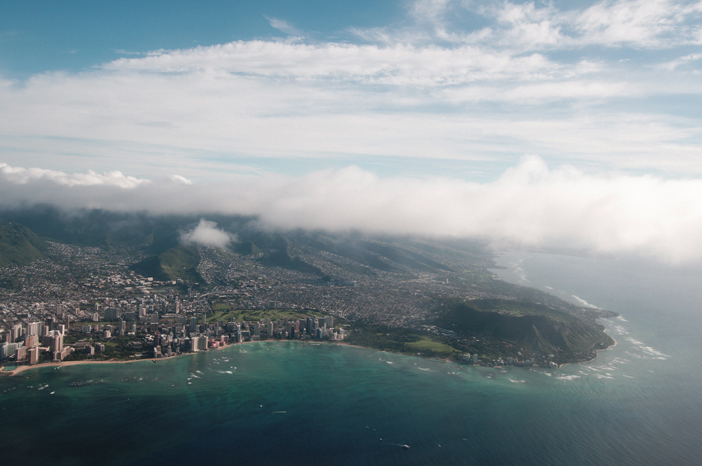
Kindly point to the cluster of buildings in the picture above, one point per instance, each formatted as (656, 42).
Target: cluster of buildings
(28, 343)
(150, 334)
(184, 337)
(507, 361)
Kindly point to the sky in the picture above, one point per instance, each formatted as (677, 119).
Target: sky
(541, 123)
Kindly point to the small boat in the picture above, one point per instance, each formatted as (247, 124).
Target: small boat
(406, 447)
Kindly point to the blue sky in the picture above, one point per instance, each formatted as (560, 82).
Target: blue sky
(366, 100)
(38, 36)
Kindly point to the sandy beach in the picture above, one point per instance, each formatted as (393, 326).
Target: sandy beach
(24, 368)
(21, 369)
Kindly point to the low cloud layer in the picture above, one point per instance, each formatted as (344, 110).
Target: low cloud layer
(529, 204)
(206, 233)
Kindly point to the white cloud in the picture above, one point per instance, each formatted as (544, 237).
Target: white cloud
(206, 233)
(210, 106)
(397, 64)
(681, 61)
(530, 204)
(20, 175)
(433, 90)
(642, 24)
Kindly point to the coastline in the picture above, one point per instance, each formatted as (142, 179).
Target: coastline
(21, 369)
(25, 368)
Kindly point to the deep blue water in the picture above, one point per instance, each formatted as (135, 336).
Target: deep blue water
(290, 403)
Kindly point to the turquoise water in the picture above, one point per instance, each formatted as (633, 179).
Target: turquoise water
(292, 403)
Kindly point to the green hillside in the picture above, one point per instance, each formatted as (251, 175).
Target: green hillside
(19, 245)
(177, 262)
(526, 325)
(280, 257)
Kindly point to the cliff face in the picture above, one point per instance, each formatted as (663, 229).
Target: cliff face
(19, 245)
(526, 325)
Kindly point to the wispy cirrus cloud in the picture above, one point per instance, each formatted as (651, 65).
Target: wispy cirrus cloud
(283, 26)
(642, 24)
(398, 64)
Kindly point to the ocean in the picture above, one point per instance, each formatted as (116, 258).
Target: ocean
(291, 403)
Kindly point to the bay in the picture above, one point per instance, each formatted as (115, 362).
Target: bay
(272, 403)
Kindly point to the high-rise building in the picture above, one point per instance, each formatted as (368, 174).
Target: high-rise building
(55, 341)
(33, 355)
(16, 332)
(33, 328)
(111, 314)
(8, 349)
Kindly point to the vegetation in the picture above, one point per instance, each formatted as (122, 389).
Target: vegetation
(117, 347)
(399, 340)
(19, 245)
(177, 262)
(427, 344)
(526, 325)
(279, 257)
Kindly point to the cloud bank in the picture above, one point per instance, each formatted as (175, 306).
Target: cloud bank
(530, 204)
(206, 233)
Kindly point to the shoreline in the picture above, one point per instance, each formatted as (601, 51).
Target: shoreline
(25, 368)
(21, 369)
